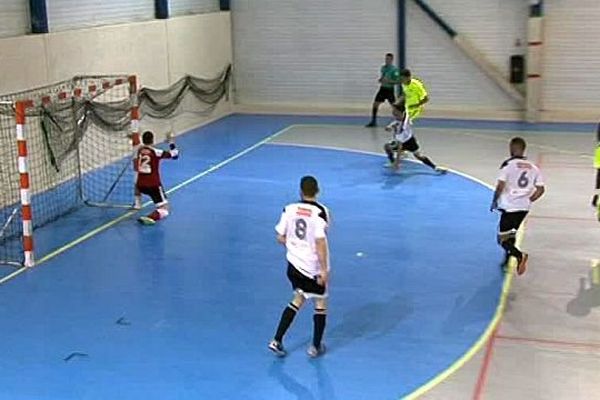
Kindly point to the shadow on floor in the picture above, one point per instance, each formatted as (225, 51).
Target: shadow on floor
(370, 321)
(325, 390)
(587, 298)
(474, 309)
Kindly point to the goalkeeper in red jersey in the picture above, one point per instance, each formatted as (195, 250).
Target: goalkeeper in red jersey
(147, 166)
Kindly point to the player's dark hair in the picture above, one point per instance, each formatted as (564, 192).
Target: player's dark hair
(518, 142)
(405, 73)
(389, 55)
(147, 137)
(309, 186)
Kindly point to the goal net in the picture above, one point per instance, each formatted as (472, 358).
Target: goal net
(70, 145)
(62, 147)
(185, 103)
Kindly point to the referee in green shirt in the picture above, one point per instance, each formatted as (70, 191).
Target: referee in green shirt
(389, 77)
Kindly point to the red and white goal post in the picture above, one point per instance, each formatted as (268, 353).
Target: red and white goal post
(62, 147)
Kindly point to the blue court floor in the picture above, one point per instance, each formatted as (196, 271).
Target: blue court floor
(185, 309)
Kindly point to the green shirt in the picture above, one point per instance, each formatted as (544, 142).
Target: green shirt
(390, 72)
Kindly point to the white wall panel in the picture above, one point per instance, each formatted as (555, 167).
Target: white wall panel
(14, 17)
(454, 81)
(128, 49)
(493, 26)
(73, 14)
(158, 51)
(311, 52)
(187, 7)
(199, 45)
(22, 63)
(570, 77)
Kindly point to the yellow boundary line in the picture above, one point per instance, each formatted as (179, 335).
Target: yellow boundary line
(499, 313)
(451, 370)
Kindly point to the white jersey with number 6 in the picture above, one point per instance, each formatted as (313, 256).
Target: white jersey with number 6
(522, 177)
(302, 224)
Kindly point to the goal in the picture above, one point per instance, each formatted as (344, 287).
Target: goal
(63, 147)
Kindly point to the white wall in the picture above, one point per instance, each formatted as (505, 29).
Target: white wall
(318, 54)
(454, 80)
(199, 43)
(311, 52)
(73, 14)
(23, 63)
(187, 7)
(571, 73)
(159, 52)
(14, 18)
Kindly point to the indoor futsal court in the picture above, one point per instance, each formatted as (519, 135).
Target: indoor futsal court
(185, 308)
(442, 159)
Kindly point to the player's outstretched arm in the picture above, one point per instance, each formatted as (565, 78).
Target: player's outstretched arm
(173, 152)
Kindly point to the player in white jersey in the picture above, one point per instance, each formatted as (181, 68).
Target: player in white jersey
(404, 139)
(519, 184)
(302, 229)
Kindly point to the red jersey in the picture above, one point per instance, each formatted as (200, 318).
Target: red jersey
(147, 165)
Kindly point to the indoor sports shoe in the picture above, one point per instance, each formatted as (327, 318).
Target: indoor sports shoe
(522, 266)
(371, 124)
(314, 352)
(146, 221)
(277, 348)
(441, 170)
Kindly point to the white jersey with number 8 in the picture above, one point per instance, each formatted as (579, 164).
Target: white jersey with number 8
(302, 224)
(521, 177)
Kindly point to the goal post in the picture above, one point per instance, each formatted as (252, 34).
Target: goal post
(62, 147)
(71, 145)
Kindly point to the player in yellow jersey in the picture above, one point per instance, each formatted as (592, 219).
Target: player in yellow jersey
(415, 94)
(415, 97)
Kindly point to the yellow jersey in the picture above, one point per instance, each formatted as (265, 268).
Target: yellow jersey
(414, 92)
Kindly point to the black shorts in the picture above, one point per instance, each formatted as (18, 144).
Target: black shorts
(410, 145)
(510, 222)
(301, 282)
(156, 193)
(385, 94)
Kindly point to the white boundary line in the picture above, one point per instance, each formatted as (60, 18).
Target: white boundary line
(373, 153)
(126, 215)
